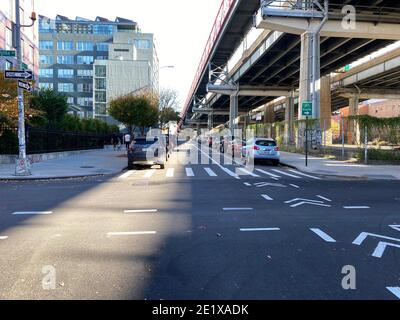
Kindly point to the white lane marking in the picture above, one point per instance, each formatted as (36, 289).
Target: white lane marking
(149, 174)
(323, 198)
(247, 172)
(267, 197)
(268, 173)
(364, 235)
(305, 175)
(26, 213)
(189, 172)
(140, 211)
(395, 227)
(395, 291)
(286, 174)
(247, 184)
(356, 207)
(210, 172)
(135, 233)
(323, 235)
(311, 203)
(259, 229)
(3, 238)
(127, 174)
(219, 165)
(301, 199)
(295, 186)
(380, 249)
(238, 209)
(170, 173)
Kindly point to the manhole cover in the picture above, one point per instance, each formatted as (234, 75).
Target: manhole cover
(87, 167)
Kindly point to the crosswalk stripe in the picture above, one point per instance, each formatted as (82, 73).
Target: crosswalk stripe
(305, 175)
(170, 172)
(268, 173)
(267, 197)
(323, 235)
(126, 174)
(189, 172)
(210, 172)
(231, 173)
(286, 174)
(247, 172)
(149, 174)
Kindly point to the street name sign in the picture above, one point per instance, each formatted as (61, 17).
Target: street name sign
(22, 74)
(306, 108)
(7, 53)
(25, 85)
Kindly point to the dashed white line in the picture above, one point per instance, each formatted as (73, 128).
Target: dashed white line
(141, 211)
(323, 198)
(268, 173)
(135, 233)
(305, 175)
(295, 186)
(210, 172)
(27, 213)
(259, 229)
(267, 197)
(170, 173)
(323, 235)
(286, 174)
(395, 291)
(127, 174)
(3, 238)
(238, 209)
(189, 172)
(149, 174)
(247, 184)
(356, 207)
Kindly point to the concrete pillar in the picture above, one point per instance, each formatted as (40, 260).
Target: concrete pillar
(353, 135)
(233, 111)
(269, 119)
(326, 103)
(289, 120)
(305, 69)
(210, 121)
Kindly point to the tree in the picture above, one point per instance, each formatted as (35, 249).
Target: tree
(168, 114)
(54, 106)
(136, 110)
(168, 104)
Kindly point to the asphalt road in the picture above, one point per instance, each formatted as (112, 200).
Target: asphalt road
(199, 232)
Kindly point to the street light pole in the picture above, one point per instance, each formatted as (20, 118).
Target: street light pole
(22, 167)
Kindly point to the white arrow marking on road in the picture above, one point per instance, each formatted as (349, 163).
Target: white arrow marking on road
(395, 227)
(266, 197)
(136, 233)
(3, 238)
(380, 249)
(259, 229)
(301, 199)
(395, 291)
(323, 235)
(323, 198)
(26, 213)
(140, 211)
(311, 203)
(267, 184)
(363, 235)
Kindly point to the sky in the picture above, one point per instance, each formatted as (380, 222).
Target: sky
(181, 28)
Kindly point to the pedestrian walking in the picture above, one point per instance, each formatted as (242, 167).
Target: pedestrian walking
(127, 140)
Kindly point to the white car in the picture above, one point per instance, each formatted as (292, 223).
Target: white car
(262, 149)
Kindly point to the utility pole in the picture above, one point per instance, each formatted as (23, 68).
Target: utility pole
(22, 167)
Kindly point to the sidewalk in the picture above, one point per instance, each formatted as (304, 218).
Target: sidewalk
(340, 168)
(88, 163)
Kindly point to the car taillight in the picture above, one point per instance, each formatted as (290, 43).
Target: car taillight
(256, 148)
(276, 148)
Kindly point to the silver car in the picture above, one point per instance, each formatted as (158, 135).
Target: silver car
(262, 149)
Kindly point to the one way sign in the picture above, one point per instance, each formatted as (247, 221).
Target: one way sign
(25, 85)
(25, 75)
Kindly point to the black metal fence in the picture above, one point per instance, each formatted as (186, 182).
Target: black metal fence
(45, 141)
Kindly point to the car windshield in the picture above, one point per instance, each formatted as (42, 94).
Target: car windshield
(266, 143)
(143, 141)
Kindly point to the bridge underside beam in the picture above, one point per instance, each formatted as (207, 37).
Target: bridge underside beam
(369, 93)
(256, 91)
(332, 28)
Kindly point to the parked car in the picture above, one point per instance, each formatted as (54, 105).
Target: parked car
(144, 152)
(262, 149)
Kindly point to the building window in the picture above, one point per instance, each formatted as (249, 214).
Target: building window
(65, 45)
(85, 59)
(103, 29)
(142, 44)
(85, 73)
(46, 26)
(44, 59)
(65, 59)
(46, 45)
(101, 58)
(66, 73)
(101, 71)
(70, 100)
(45, 85)
(84, 46)
(100, 96)
(102, 47)
(100, 108)
(121, 50)
(85, 87)
(85, 102)
(65, 87)
(46, 73)
(100, 84)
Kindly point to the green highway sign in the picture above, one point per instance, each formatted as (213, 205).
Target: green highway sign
(306, 108)
(7, 53)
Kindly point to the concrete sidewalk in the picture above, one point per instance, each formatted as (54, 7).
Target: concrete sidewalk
(340, 168)
(88, 163)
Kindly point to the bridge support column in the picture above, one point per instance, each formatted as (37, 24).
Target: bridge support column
(210, 122)
(289, 120)
(269, 119)
(353, 135)
(326, 108)
(233, 111)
